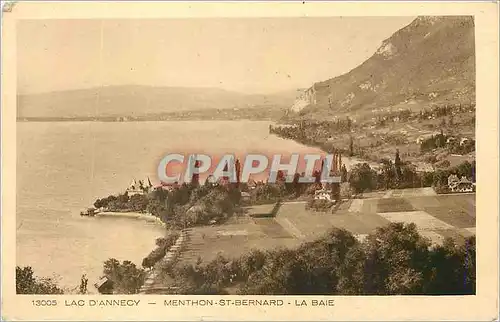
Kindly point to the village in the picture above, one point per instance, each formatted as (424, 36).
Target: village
(281, 219)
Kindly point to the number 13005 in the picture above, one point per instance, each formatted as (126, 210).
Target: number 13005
(44, 302)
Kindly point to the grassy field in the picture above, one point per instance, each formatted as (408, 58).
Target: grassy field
(235, 239)
(394, 205)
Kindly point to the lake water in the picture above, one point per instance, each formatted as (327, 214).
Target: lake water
(63, 167)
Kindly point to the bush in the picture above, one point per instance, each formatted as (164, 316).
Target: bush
(319, 205)
(442, 189)
(427, 179)
(345, 191)
(163, 245)
(431, 158)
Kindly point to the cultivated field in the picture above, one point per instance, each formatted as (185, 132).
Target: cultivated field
(436, 217)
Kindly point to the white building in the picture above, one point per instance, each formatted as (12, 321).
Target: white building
(139, 187)
(462, 185)
(323, 194)
(463, 141)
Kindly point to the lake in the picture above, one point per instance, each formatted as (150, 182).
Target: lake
(62, 167)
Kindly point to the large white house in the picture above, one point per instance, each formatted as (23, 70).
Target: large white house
(460, 185)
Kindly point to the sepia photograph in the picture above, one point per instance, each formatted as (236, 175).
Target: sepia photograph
(273, 155)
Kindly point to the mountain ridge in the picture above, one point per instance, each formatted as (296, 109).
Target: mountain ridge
(141, 100)
(430, 61)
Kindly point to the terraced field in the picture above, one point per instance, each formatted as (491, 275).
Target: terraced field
(436, 217)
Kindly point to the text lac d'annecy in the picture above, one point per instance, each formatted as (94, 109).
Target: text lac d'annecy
(102, 303)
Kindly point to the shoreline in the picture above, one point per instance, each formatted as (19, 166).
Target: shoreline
(352, 160)
(132, 215)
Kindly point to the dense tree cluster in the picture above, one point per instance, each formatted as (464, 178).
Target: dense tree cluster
(200, 205)
(321, 133)
(394, 260)
(123, 202)
(28, 283)
(452, 144)
(401, 175)
(362, 178)
(446, 110)
(457, 147)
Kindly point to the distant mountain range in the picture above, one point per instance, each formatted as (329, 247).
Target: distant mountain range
(430, 61)
(140, 101)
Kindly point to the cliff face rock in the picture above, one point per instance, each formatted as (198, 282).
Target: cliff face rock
(432, 60)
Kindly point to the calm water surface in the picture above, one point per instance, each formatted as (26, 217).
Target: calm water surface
(63, 167)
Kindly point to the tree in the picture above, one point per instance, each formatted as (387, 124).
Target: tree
(351, 147)
(104, 202)
(28, 283)
(345, 191)
(397, 165)
(83, 284)
(396, 257)
(349, 123)
(387, 176)
(126, 277)
(440, 178)
(138, 203)
(343, 173)
(362, 178)
(452, 268)
(464, 169)
(441, 140)
(473, 169)
(329, 265)
(266, 193)
(123, 198)
(409, 177)
(98, 204)
(156, 208)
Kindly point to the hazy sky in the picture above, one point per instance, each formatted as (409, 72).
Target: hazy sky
(247, 55)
